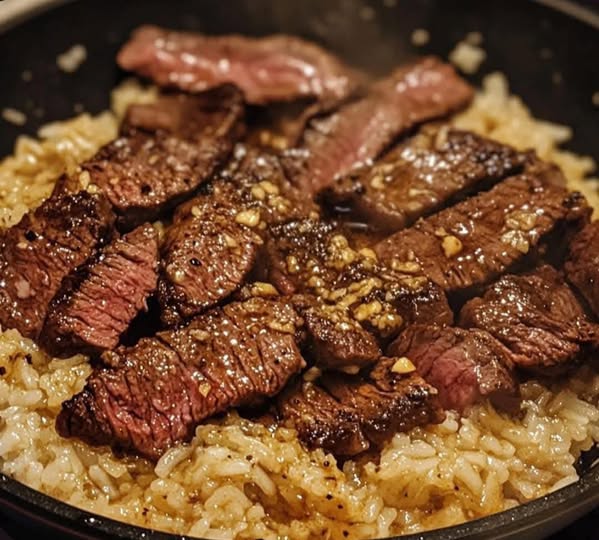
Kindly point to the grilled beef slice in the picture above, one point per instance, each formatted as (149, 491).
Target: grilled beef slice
(472, 243)
(215, 237)
(537, 317)
(463, 365)
(313, 257)
(420, 176)
(358, 132)
(164, 152)
(97, 304)
(37, 253)
(273, 68)
(582, 265)
(206, 255)
(346, 415)
(151, 396)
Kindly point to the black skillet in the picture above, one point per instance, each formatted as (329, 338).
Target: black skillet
(549, 53)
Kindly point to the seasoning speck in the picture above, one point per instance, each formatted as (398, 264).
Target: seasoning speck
(420, 37)
(14, 116)
(70, 60)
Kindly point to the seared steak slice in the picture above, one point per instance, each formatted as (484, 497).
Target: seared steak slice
(358, 132)
(537, 317)
(42, 249)
(151, 396)
(463, 365)
(582, 265)
(475, 241)
(97, 303)
(313, 257)
(215, 237)
(346, 415)
(420, 176)
(165, 151)
(334, 339)
(273, 68)
(207, 254)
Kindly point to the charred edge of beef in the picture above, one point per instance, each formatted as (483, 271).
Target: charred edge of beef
(37, 253)
(465, 366)
(537, 317)
(432, 169)
(149, 397)
(347, 415)
(97, 303)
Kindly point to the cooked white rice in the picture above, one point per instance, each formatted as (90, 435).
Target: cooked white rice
(240, 480)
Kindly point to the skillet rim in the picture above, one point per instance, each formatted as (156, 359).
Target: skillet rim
(574, 499)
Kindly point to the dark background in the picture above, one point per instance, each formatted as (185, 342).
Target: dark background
(88, 85)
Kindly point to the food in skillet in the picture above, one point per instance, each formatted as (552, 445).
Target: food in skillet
(385, 324)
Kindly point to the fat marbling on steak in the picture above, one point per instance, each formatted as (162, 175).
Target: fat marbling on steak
(37, 253)
(164, 152)
(149, 397)
(272, 68)
(97, 303)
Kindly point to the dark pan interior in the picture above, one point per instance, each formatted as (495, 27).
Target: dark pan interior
(548, 56)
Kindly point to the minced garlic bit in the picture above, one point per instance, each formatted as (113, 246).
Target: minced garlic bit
(70, 60)
(403, 365)
(249, 218)
(368, 253)
(377, 182)
(420, 37)
(14, 116)
(452, 245)
(199, 335)
(466, 57)
(409, 267)
(204, 388)
(260, 288)
(366, 311)
(351, 370)
(312, 374)
(517, 239)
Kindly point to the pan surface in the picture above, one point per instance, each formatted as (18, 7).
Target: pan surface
(548, 56)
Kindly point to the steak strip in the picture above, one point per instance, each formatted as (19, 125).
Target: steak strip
(273, 68)
(472, 243)
(97, 303)
(347, 415)
(582, 265)
(165, 151)
(149, 397)
(463, 365)
(420, 176)
(37, 253)
(537, 317)
(358, 132)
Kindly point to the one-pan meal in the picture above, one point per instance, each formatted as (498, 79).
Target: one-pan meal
(270, 296)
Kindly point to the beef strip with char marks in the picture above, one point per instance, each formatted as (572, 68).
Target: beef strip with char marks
(346, 415)
(214, 240)
(358, 132)
(582, 264)
(97, 303)
(463, 365)
(420, 176)
(151, 396)
(313, 257)
(164, 152)
(37, 253)
(470, 244)
(537, 317)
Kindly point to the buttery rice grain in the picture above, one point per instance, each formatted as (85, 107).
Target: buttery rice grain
(237, 479)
